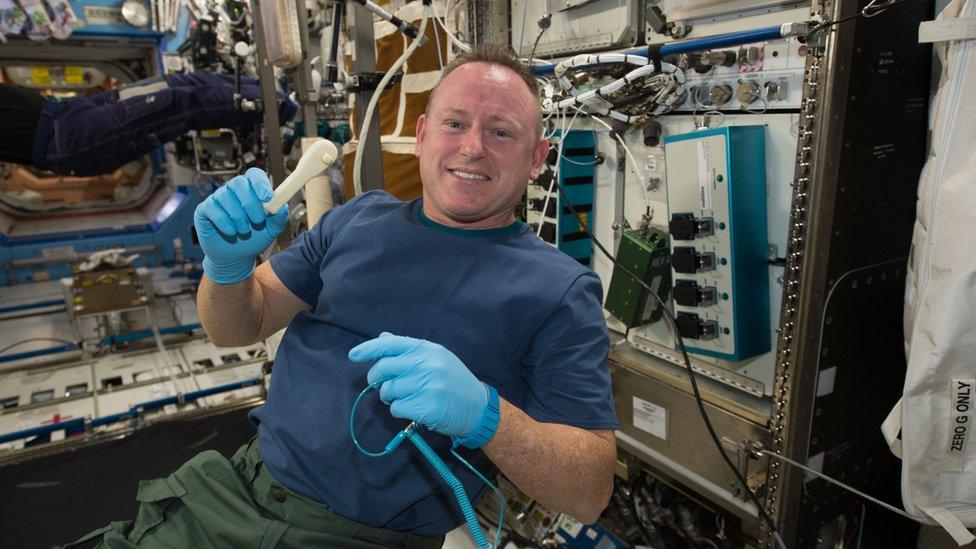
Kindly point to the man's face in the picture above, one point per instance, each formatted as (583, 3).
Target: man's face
(478, 146)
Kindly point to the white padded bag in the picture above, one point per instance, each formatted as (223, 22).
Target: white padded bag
(936, 414)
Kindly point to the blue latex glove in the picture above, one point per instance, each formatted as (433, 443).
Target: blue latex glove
(233, 227)
(425, 382)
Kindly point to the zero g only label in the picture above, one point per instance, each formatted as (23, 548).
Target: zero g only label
(960, 418)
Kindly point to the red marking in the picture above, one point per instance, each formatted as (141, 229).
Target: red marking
(56, 418)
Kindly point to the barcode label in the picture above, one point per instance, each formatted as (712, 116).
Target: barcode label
(705, 177)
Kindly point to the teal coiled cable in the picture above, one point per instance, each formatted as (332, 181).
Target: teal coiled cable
(412, 432)
(452, 481)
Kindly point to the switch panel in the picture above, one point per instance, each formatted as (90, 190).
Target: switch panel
(717, 199)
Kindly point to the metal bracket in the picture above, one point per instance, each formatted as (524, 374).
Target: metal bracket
(248, 105)
(368, 81)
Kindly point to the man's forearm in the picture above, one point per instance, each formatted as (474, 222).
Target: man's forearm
(565, 468)
(231, 314)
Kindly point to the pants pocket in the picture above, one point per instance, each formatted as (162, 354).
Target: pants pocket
(157, 498)
(95, 539)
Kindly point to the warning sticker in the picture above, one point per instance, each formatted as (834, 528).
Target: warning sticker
(74, 75)
(40, 76)
(651, 418)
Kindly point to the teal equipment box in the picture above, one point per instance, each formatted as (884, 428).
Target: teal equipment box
(719, 251)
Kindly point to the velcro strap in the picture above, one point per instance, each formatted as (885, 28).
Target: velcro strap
(950, 523)
(654, 56)
(961, 28)
(891, 427)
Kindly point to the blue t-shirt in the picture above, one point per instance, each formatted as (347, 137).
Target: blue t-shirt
(522, 316)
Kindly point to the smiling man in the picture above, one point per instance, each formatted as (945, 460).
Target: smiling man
(468, 323)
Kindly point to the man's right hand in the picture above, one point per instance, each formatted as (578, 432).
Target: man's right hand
(233, 227)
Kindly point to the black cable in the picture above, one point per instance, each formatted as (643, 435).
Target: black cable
(827, 24)
(691, 372)
(536, 43)
(331, 65)
(624, 508)
(651, 534)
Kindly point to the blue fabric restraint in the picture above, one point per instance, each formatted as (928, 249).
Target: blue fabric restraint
(486, 428)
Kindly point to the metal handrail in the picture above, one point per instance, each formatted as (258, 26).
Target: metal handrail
(132, 413)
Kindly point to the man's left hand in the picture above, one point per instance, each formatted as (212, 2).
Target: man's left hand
(427, 383)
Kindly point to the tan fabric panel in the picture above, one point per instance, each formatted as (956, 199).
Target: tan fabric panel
(425, 57)
(401, 175)
(416, 104)
(397, 108)
(389, 107)
(389, 48)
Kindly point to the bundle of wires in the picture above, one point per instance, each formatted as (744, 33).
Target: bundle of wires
(639, 94)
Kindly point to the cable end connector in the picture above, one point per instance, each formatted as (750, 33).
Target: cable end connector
(796, 28)
(754, 449)
(395, 441)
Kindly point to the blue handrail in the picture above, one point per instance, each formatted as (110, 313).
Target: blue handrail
(146, 334)
(28, 306)
(108, 340)
(132, 413)
(38, 352)
(698, 44)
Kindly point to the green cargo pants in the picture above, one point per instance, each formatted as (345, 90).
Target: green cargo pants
(213, 502)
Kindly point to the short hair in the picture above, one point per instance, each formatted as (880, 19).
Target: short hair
(492, 54)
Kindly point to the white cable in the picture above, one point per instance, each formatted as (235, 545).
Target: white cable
(555, 175)
(563, 132)
(374, 100)
(670, 79)
(584, 59)
(627, 154)
(164, 355)
(851, 489)
(552, 182)
(447, 11)
(437, 41)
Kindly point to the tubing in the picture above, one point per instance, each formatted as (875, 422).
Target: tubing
(698, 44)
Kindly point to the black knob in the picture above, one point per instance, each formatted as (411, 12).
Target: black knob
(689, 294)
(686, 293)
(691, 326)
(682, 226)
(685, 226)
(685, 259)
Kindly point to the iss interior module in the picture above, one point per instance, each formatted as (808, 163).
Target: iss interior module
(741, 176)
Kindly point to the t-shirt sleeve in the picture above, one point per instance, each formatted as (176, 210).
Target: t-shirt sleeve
(298, 266)
(566, 364)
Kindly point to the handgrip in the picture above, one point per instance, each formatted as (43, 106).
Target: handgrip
(316, 159)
